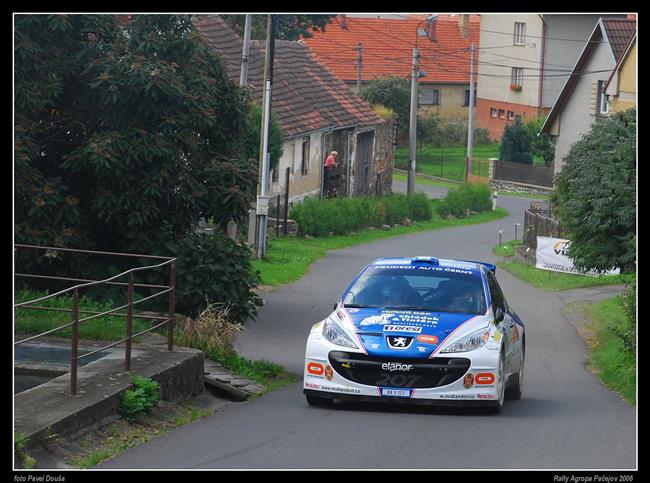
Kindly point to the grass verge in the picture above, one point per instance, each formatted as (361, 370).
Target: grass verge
(506, 249)
(289, 258)
(554, 281)
(121, 435)
(615, 366)
(107, 328)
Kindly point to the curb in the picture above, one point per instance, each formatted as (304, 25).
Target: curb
(231, 385)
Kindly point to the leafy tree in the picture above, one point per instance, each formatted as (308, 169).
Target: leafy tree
(516, 144)
(290, 27)
(276, 137)
(393, 92)
(541, 144)
(126, 134)
(595, 195)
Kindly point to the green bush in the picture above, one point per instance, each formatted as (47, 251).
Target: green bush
(212, 269)
(467, 197)
(516, 144)
(344, 215)
(628, 332)
(141, 399)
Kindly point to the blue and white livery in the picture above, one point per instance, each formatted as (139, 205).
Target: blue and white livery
(421, 330)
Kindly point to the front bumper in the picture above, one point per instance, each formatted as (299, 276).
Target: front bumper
(336, 373)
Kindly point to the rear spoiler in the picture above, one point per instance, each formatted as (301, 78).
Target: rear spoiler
(491, 267)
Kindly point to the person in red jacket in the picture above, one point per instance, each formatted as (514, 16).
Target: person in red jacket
(330, 162)
(330, 165)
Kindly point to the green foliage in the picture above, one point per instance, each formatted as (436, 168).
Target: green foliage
(215, 269)
(290, 27)
(627, 330)
(439, 131)
(516, 144)
(468, 197)
(595, 195)
(392, 92)
(341, 216)
(276, 137)
(141, 399)
(124, 133)
(541, 145)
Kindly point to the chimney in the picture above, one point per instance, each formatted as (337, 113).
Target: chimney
(343, 21)
(463, 25)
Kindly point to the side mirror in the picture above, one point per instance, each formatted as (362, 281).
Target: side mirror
(498, 314)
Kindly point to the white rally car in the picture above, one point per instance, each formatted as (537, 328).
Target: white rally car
(421, 330)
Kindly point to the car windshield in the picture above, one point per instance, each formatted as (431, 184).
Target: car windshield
(427, 288)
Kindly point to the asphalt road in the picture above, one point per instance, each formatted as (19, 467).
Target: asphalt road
(566, 420)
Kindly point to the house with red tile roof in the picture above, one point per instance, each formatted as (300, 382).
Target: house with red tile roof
(583, 98)
(387, 50)
(318, 114)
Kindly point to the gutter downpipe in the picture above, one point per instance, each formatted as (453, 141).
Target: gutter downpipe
(541, 79)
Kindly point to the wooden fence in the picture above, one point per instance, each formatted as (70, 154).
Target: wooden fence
(523, 173)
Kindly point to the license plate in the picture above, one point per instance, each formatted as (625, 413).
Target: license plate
(396, 392)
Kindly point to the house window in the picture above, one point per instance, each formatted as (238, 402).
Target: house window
(304, 160)
(466, 102)
(502, 114)
(511, 115)
(493, 112)
(429, 96)
(517, 77)
(603, 104)
(520, 33)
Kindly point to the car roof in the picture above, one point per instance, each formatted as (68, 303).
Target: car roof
(465, 265)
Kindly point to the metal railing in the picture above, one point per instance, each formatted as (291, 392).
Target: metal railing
(75, 310)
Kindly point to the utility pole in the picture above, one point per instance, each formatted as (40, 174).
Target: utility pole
(262, 199)
(410, 187)
(359, 64)
(243, 78)
(470, 123)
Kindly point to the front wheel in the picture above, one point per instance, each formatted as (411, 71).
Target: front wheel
(318, 401)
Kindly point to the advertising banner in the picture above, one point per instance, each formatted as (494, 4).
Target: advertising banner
(551, 255)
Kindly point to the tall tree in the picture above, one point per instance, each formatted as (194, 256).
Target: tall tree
(393, 92)
(290, 27)
(516, 144)
(595, 195)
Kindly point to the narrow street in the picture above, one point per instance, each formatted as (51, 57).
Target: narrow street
(567, 419)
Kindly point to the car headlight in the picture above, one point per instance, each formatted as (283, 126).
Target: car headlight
(470, 342)
(336, 335)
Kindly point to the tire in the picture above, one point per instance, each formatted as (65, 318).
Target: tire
(318, 401)
(495, 408)
(516, 389)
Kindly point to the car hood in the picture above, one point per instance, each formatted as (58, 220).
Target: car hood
(412, 333)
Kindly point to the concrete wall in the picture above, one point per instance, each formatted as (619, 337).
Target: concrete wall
(494, 80)
(384, 159)
(496, 125)
(579, 113)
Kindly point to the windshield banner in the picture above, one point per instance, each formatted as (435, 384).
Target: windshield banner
(551, 255)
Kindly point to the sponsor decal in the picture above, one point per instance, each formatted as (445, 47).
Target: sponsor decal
(396, 366)
(390, 392)
(425, 267)
(468, 380)
(315, 369)
(427, 339)
(486, 396)
(375, 320)
(347, 390)
(457, 396)
(346, 365)
(399, 342)
(309, 385)
(402, 328)
(353, 310)
(496, 336)
(422, 349)
(329, 372)
(484, 378)
(375, 346)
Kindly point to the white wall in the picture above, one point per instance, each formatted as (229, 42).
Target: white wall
(578, 113)
(494, 81)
